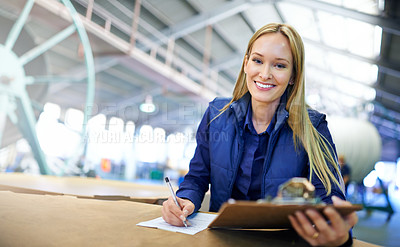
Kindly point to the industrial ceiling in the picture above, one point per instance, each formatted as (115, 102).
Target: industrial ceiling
(185, 53)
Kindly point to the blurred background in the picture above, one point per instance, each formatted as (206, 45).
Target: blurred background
(115, 89)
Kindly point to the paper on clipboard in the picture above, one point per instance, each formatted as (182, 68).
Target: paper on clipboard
(253, 215)
(198, 222)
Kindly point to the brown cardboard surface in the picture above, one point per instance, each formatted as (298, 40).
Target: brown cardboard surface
(44, 220)
(26, 190)
(53, 220)
(253, 215)
(15, 189)
(81, 186)
(89, 188)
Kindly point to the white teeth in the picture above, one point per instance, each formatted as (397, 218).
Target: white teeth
(264, 86)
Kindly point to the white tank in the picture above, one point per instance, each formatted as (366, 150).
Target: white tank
(358, 141)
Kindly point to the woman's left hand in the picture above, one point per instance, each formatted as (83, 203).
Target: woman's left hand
(314, 228)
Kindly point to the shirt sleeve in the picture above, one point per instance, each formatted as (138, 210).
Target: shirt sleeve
(196, 181)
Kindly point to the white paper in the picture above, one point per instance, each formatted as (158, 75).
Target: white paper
(198, 222)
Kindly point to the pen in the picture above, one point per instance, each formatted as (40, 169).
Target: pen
(173, 195)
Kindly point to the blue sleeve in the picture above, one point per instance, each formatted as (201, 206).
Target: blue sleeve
(322, 128)
(196, 181)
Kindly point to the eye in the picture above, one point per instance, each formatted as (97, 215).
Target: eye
(256, 60)
(280, 66)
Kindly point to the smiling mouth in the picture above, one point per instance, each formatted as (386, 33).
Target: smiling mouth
(264, 85)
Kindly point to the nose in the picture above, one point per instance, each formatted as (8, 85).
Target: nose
(265, 73)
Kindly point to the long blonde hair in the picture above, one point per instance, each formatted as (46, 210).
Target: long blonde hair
(316, 145)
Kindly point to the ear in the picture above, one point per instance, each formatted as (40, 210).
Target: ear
(291, 81)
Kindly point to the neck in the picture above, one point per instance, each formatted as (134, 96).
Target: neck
(262, 115)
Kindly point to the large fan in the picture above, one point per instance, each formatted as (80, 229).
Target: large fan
(24, 78)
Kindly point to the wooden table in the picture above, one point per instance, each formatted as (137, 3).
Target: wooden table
(88, 188)
(60, 220)
(82, 186)
(60, 211)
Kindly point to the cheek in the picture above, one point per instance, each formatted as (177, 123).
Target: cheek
(251, 70)
(249, 82)
(283, 78)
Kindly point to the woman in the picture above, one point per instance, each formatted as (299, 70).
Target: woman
(248, 145)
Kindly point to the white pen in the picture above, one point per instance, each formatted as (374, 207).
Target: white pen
(173, 196)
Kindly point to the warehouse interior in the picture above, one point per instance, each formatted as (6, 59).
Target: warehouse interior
(115, 89)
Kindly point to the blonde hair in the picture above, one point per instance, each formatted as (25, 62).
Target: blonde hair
(316, 145)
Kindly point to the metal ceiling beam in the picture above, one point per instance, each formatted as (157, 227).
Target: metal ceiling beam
(127, 29)
(196, 44)
(189, 27)
(124, 27)
(203, 19)
(384, 67)
(165, 20)
(129, 77)
(382, 93)
(227, 62)
(78, 73)
(388, 125)
(384, 113)
(137, 58)
(388, 25)
(220, 31)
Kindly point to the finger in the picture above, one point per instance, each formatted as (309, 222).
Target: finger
(163, 213)
(320, 224)
(172, 205)
(187, 206)
(187, 209)
(339, 202)
(296, 225)
(352, 218)
(305, 223)
(337, 222)
(166, 215)
(176, 211)
(299, 229)
(339, 228)
(169, 217)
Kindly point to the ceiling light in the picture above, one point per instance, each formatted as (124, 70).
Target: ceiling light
(148, 105)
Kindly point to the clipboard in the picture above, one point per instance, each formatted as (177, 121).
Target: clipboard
(253, 215)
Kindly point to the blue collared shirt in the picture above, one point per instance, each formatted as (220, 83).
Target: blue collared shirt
(249, 177)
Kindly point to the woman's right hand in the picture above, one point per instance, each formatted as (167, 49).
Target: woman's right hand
(174, 215)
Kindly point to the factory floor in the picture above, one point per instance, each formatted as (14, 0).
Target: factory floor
(375, 227)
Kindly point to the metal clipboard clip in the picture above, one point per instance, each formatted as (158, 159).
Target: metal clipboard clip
(297, 191)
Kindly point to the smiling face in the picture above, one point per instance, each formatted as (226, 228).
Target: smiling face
(268, 68)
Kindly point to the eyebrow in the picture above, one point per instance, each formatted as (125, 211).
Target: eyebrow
(261, 55)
